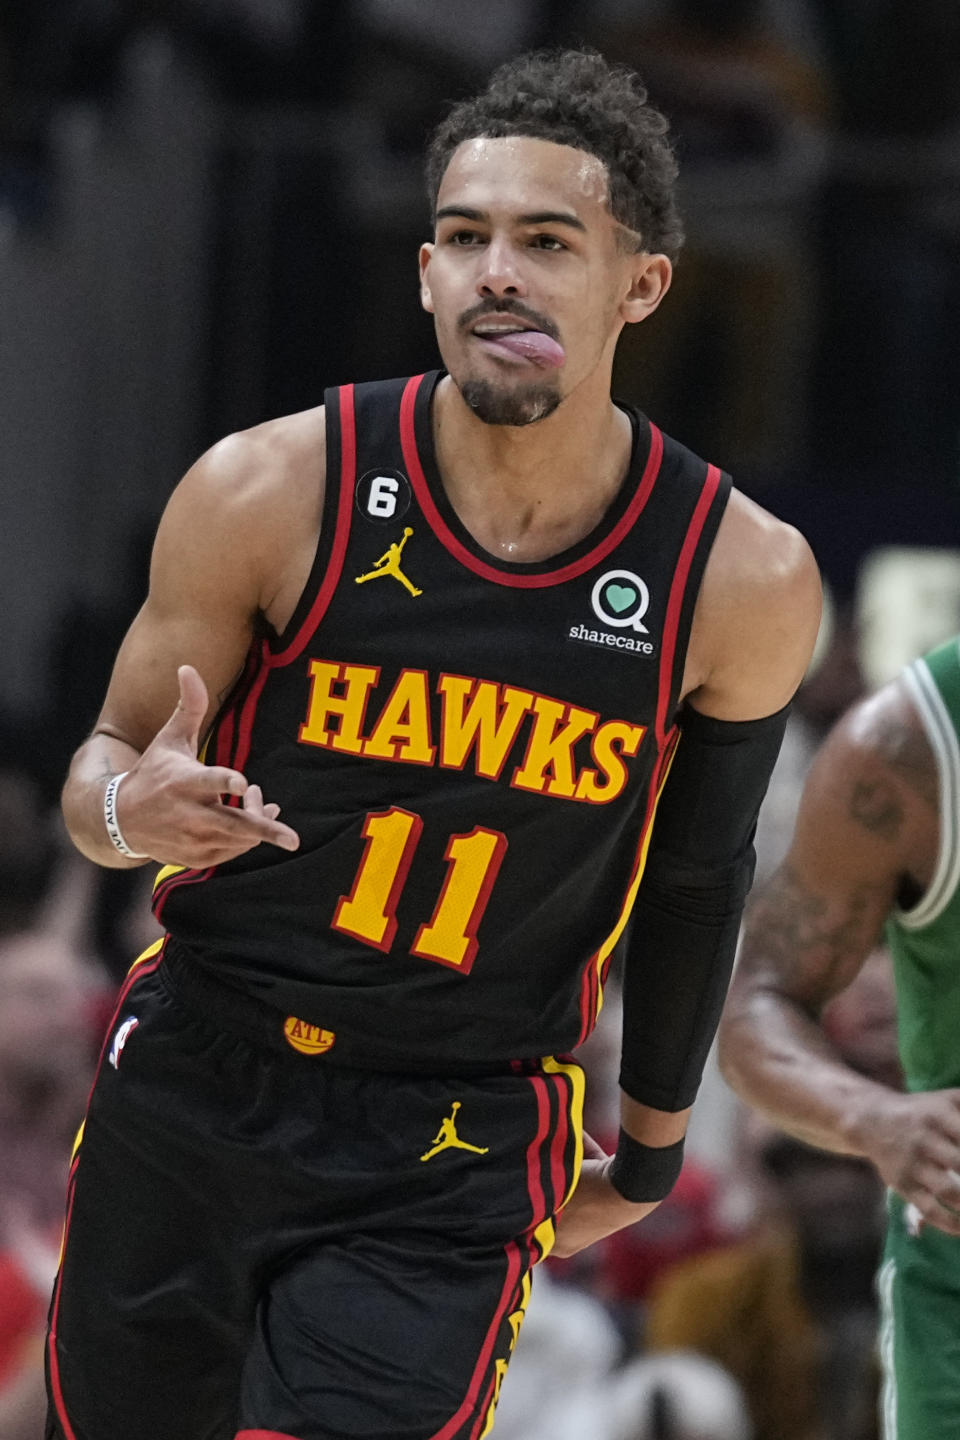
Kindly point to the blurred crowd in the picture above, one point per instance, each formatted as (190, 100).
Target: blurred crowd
(810, 346)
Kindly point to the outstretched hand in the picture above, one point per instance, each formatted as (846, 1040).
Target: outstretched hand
(171, 807)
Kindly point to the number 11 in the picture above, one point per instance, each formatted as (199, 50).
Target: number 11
(449, 937)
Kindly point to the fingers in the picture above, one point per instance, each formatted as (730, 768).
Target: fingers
(186, 721)
(236, 825)
(932, 1211)
(253, 804)
(218, 833)
(215, 780)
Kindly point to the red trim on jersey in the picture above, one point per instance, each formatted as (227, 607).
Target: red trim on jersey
(136, 974)
(248, 710)
(484, 1410)
(225, 738)
(348, 467)
(558, 1174)
(264, 1435)
(183, 877)
(677, 590)
(408, 441)
(588, 999)
(224, 735)
(514, 1269)
(534, 1181)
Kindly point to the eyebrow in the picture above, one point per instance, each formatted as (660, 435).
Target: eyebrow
(537, 217)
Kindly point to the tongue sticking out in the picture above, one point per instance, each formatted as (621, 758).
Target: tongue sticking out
(531, 345)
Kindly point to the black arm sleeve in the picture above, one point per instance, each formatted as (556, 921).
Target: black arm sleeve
(684, 929)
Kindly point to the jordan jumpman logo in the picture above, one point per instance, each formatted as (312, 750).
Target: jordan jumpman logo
(447, 1138)
(389, 564)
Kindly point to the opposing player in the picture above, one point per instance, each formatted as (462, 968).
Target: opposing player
(877, 848)
(340, 1132)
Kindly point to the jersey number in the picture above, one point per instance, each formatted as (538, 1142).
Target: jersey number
(369, 912)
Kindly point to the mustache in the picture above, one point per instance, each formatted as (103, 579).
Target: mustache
(507, 306)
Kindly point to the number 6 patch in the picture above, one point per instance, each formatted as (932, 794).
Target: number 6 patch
(383, 495)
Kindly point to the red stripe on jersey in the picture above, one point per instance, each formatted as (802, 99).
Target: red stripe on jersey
(185, 877)
(534, 1181)
(54, 1364)
(348, 466)
(675, 601)
(264, 1435)
(558, 1174)
(484, 1410)
(225, 738)
(408, 440)
(514, 1271)
(224, 734)
(588, 999)
(249, 709)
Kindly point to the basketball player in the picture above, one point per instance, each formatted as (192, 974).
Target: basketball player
(877, 847)
(451, 628)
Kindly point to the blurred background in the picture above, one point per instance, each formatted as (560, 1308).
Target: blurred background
(209, 211)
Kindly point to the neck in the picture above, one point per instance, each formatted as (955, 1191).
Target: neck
(528, 492)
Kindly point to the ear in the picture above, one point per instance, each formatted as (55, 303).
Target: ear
(426, 299)
(649, 281)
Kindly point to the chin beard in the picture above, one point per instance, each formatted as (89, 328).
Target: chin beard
(496, 406)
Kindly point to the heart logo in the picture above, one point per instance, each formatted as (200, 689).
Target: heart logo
(620, 597)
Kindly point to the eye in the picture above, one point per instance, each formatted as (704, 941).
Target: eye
(547, 242)
(464, 237)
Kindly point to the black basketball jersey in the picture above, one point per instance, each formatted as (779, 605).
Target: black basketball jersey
(470, 750)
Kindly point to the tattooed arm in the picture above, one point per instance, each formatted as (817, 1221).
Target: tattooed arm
(866, 837)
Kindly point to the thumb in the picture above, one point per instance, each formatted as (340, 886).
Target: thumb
(184, 724)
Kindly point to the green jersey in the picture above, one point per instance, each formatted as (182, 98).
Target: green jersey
(925, 940)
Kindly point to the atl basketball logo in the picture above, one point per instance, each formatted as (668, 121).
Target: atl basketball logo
(308, 1039)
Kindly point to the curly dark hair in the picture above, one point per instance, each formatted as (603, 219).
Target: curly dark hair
(574, 97)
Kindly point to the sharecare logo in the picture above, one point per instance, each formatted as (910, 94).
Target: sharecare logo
(609, 640)
(621, 599)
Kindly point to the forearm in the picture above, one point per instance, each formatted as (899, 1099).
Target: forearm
(777, 1057)
(100, 758)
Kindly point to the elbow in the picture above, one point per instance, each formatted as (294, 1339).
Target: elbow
(734, 1037)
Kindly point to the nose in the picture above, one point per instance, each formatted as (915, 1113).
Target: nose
(499, 273)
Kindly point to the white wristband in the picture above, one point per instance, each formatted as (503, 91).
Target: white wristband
(110, 817)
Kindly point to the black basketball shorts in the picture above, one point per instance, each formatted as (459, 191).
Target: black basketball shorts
(261, 1244)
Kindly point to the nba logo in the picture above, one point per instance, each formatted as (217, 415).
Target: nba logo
(120, 1039)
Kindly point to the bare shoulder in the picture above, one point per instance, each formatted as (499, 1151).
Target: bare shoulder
(260, 492)
(868, 812)
(757, 615)
(881, 746)
(277, 467)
